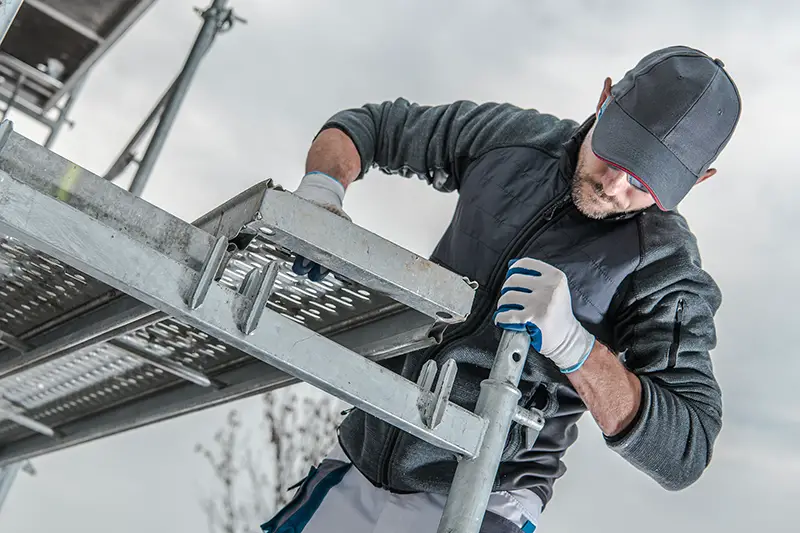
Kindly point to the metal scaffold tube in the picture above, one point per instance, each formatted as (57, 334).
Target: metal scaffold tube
(214, 20)
(7, 476)
(497, 405)
(8, 12)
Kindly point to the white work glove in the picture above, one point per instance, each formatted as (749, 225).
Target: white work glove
(536, 298)
(326, 192)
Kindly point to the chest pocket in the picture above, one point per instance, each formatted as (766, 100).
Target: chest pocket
(596, 256)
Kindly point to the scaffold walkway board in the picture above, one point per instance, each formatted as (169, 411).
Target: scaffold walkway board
(52, 44)
(115, 314)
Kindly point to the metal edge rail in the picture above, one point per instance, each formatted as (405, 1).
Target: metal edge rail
(372, 261)
(364, 257)
(115, 314)
(96, 227)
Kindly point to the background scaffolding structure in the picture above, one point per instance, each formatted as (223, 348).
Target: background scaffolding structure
(50, 49)
(47, 51)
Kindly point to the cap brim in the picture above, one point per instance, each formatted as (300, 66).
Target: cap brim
(623, 142)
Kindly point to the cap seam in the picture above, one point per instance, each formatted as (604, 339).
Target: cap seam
(656, 138)
(735, 122)
(705, 90)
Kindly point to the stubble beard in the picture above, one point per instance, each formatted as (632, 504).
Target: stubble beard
(589, 197)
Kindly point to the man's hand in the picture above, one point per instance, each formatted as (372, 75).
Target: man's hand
(327, 192)
(536, 298)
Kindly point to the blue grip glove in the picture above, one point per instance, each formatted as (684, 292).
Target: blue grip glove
(536, 298)
(327, 192)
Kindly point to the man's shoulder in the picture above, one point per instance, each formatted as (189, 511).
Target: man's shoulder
(670, 255)
(510, 125)
(665, 233)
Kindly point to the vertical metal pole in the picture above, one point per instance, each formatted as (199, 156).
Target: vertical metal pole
(7, 476)
(63, 112)
(17, 87)
(213, 18)
(497, 404)
(126, 155)
(8, 12)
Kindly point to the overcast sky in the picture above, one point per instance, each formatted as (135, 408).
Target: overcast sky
(258, 100)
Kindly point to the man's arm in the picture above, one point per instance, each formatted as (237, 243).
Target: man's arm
(661, 407)
(665, 327)
(611, 392)
(334, 153)
(435, 143)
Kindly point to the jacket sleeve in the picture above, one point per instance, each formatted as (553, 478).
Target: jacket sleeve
(435, 143)
(665, 326)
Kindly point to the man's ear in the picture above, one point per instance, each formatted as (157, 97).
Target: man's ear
(605, 94)
(710, 172)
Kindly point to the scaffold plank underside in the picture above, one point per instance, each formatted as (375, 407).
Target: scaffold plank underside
(88, 359)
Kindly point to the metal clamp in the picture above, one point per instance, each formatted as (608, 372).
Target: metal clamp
(13, 342)
(257, 288)
(432, 404)
(211, 267)
(6, 127)
(16, 414)
(533, 421)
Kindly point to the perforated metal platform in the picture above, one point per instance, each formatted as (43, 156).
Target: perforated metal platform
(87, 360)
(79, 383)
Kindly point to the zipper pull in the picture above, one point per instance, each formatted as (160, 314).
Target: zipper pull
(555, 207)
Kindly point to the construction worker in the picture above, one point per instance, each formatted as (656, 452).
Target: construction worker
(572, 232)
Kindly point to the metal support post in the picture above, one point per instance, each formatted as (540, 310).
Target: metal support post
(214, 20)
(8, 12)
(7, 476)
(17, 87)
(126, 156)
(63, 113)
(497, 405)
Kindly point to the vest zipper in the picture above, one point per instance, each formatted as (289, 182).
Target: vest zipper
(528, 232)
(676, 335)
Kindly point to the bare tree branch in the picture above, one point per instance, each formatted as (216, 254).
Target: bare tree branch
(252, 478)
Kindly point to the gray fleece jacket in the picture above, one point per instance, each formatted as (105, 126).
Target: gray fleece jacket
(636, 282)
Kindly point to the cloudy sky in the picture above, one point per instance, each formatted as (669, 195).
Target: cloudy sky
(266, 87)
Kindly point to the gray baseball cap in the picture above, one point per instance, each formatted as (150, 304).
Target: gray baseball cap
(668, 120)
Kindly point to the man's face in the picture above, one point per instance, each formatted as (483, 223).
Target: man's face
(600, 190)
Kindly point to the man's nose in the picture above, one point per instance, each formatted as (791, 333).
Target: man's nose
(614, 182)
